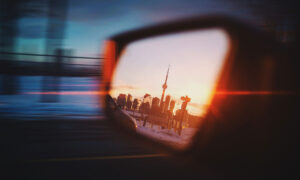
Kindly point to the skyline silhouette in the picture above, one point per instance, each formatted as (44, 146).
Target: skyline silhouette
(142, 67)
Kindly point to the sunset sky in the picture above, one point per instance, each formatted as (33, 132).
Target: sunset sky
(195, 59)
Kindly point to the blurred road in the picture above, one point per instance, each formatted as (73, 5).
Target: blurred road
(79, 149)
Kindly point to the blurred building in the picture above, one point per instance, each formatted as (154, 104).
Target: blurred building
(135, 104)
(155, 105)
(185, 100)
(55, 33)
(129, 102)
(166, 103)
(121, 100)
(172, 106)
(155, 102)
(145, 107)
(10, 12)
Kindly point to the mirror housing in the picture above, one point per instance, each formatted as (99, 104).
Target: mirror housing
(233, 128)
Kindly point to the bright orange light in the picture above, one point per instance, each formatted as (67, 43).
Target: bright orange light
(109, 61)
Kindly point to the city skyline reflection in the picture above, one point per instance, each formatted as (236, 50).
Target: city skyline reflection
(166, 83)
(195, 59)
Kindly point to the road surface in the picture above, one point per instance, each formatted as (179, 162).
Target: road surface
(81, 149)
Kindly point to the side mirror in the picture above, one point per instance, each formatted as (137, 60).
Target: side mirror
(181, 81)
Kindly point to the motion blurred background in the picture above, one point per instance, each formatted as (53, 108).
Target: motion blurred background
(51, 122)
(50, 50)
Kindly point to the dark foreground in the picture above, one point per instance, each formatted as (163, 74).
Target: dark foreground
(79, 149)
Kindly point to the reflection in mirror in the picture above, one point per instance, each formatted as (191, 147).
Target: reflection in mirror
(165, 83)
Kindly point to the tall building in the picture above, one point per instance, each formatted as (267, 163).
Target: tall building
(185, 100)
(129, 97)
(172, 106)
(155, 105)
(164, 86)
(155, 102)
(166, 103)
(135, 104)
(129, 102)
(121, 100)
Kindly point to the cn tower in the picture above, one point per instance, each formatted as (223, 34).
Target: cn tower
(164, 86)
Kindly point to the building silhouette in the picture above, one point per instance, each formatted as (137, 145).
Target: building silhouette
(155, 105)
(166, 103)
(135, 104)
(155, 102)
(129, 102)
(121, 100)
(172, 106)
(185, 100)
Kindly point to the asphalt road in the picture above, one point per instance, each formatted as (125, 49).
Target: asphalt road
(79, 149)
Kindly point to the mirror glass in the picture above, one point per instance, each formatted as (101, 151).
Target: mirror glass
(165, 83)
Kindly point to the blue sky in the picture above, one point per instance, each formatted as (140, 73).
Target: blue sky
(89, 23)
